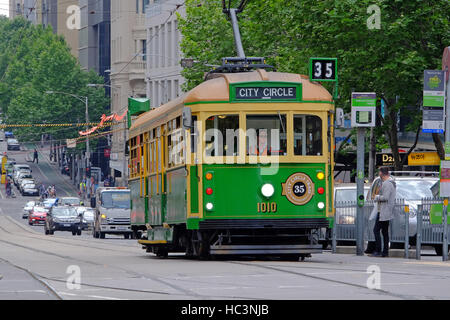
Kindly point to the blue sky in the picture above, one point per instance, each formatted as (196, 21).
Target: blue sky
(4, 7)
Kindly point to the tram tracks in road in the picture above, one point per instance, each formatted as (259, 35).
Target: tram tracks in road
(180, 291)
(38, 279)
(65, 241)
(335, 281)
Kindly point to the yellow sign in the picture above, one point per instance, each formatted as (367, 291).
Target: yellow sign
(4, 160)
(424, 159)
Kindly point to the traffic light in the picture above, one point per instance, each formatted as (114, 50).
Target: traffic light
(361, 200)
(88, 172)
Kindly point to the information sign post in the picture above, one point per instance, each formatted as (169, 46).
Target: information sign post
(363, 116)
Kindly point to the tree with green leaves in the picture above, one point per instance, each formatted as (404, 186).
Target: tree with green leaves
(388, 60)
(33, 60)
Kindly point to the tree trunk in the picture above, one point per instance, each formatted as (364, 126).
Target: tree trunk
(372, 154)
(439, 146)
(394, 140)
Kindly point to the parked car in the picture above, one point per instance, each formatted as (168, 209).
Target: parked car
(412, 189)
(19, 167)
(37, 215)
(88, 217)
(12, 144)
(63, 218)
(24, 182)
(22, 176)
(346, 192)
(9, 134)
(30, 189)
(28, 207)
(69, 201)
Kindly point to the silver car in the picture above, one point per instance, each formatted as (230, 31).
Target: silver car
(88, 217)
(28, 207)
(412, 190)
(346, 193)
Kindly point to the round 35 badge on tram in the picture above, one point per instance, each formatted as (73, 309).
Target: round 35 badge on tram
(298, 188)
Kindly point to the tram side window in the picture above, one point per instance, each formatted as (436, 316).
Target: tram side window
(266, 135)
(222, 135)
(307, 135)
(175, 141)
(194, 135)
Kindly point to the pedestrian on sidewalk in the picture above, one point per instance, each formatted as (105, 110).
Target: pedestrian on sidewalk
(36, 156)
(8, 188)
(386, 203)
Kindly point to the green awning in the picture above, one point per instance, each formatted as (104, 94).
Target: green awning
(136, 106)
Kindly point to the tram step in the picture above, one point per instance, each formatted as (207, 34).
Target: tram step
(265, 249)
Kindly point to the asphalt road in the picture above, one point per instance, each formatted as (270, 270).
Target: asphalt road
(38, 266)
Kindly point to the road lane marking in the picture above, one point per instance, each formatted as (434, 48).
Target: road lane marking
(433, 263)
(89, 296)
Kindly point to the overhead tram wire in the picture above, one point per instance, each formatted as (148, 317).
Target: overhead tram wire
(78, 141)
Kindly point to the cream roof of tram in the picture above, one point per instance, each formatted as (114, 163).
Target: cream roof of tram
(217, 89)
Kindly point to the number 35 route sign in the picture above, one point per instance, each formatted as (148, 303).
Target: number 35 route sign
(323, 69)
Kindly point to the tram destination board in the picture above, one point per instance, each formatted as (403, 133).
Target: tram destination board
(268, 93)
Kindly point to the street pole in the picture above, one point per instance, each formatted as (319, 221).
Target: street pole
(87, 137)
(125, 164)
(360, 191)
(447, 142)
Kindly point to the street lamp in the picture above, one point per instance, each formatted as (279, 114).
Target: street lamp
(85, 100)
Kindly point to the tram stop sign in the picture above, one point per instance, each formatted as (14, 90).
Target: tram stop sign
(363, 109)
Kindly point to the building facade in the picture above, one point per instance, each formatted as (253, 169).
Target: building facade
(128, 36)
(62, 16)
(95, 36)
(162, 54)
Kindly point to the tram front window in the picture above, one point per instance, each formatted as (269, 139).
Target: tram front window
(266, 135)
(307, 135)
(222, 135)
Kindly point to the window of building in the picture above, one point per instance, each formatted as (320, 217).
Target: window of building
(169, 44)
(307, 135)
(144, 5)
(144, 49)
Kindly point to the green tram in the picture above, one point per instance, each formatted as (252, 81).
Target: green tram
(241, 164)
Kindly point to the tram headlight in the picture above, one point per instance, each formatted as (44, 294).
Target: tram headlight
(209, 206)
(320, 176)
(321, 205)
(267, 190)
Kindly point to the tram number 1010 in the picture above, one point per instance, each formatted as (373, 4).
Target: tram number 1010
(267, 207)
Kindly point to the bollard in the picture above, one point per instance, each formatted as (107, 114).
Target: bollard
(419, 234)
(333, 236)
(406, 232)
